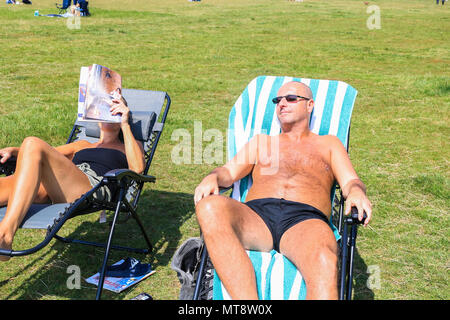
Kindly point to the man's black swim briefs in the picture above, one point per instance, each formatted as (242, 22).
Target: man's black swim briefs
(280, 215)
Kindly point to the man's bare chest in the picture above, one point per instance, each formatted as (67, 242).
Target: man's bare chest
(293, 159)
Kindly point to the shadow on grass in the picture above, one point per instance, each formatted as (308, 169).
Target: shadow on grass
(162, 213)
(361, 290)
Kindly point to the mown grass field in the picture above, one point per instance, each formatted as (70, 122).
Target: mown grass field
(204, 54)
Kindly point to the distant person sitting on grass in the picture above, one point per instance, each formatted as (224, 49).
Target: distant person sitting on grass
(75, 10)
(45, 174)
(82, 7)
(288, 205)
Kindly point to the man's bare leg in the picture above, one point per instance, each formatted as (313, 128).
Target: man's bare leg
(37, 163)
(229, 227)
(312, 247)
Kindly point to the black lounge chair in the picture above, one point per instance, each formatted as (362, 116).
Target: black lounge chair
(149, 110)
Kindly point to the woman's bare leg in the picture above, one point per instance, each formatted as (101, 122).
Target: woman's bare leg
(38, 163)
(6, 185)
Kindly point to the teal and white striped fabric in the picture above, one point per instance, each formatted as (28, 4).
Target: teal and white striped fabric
(254, 113)
(276, 277)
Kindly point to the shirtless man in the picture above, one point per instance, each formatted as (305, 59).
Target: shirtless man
(288, 208)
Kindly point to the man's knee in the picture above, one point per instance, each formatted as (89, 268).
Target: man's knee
(325, 261)
(321, 282)
(211, 211)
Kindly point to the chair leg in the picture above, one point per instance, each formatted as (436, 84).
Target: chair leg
(341, 213)
(102, 245)
(348, 245)
(144, 233)
(344, 262)
(108, 245)
(141, 227)
(198, 284)
(352, 246)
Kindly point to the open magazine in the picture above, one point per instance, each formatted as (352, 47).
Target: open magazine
(98, 87)
(124, 276)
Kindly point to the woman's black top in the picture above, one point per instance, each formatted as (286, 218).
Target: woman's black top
(101, 160)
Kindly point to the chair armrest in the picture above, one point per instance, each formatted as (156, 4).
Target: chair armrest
(119, 174)
(353, 217)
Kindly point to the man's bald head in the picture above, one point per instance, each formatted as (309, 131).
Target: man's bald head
(297, 87)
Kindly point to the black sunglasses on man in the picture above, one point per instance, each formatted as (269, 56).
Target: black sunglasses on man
(289, 98)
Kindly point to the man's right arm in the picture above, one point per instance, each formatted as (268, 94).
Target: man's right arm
(237, 168)
(210, 184)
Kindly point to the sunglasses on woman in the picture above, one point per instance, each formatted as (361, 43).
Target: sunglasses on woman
(289, 98)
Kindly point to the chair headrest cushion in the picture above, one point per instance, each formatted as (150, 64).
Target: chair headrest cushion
(141, 124)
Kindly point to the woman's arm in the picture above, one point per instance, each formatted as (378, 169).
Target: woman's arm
(69, 149)
(7, 153)
(133, 149)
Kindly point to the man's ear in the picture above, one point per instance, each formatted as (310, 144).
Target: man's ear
(310, 105)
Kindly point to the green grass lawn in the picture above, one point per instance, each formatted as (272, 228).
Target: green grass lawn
(204, 54)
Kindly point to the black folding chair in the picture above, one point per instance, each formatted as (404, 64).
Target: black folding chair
(149, 111)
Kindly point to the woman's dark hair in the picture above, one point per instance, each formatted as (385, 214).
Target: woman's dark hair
(124, 101)
(120, 132)
(121, 136)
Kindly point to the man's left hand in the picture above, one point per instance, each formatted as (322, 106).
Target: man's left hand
(362, 203)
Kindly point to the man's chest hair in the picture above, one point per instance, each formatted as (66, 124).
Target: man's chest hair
(299, 160)
(292, 158)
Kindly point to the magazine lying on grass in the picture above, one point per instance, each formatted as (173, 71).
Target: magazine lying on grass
(127, 273)
(98, 87)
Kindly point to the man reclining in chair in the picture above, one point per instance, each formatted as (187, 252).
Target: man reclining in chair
(64, 173)
(288, 205)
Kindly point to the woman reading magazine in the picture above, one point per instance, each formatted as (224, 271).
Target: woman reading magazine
(62, 174)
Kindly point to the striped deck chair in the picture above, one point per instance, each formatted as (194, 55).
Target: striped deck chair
(254, 113)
